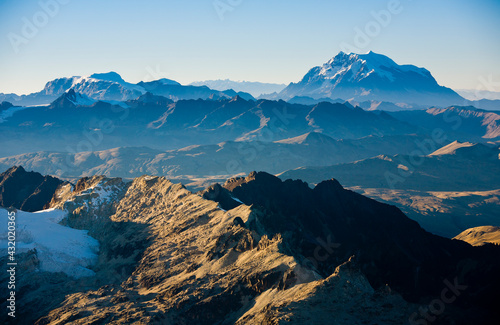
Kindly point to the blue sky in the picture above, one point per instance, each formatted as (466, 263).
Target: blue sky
(255, 40)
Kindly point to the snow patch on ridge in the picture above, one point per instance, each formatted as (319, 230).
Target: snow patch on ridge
(81, 100)
(59, 248)
(4, 115)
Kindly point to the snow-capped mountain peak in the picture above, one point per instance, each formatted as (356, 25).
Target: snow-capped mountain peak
(363, 65)
(109, 76)
(106, 86)
(371, 76)
(98, 86)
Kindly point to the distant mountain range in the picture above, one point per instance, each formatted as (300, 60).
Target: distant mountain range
(160, 123)
(254, 88)
(260, 229)
(75, 122)
(478, 94)
(465, 123)
(471, 169)
(224, 159)
(112, 88)
(371, 81)
(447, 169)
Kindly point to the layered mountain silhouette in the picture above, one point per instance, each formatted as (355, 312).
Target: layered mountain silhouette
(73, 123)
(223, 159)
(5, 106)
(465, 123)
(451, 168)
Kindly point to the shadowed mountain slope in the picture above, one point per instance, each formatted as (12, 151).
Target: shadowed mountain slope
(27, 191)
(280, 254)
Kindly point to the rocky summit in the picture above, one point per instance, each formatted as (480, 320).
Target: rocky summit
(254, 250)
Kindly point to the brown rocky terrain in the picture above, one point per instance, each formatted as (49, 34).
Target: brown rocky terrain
(479, 236)
(253, 251)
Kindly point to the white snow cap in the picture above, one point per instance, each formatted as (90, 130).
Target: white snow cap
(363, 65)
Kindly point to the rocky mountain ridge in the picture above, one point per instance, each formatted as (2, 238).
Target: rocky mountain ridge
(250, 252)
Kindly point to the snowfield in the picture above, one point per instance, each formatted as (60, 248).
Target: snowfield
(59, 248)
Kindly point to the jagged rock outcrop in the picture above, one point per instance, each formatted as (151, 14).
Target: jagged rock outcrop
(281, 253)
(89, 199)
(198, 263)
(221, 195)
(338, 299)
(197, 268)
(391, 248)
(27, 191)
